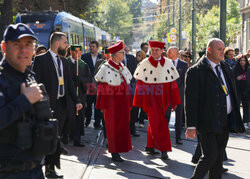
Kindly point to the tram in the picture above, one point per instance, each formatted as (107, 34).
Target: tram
(78, 31)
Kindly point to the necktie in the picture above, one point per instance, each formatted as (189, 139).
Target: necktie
(173, 62)
(60, 75)
(221, 81)
(219, 74)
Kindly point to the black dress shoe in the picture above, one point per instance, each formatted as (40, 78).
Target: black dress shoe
(65, 140)
(178, 142)
(49, 173)
(64, 151)
(135, 134)
(194, 161)
(224, 170)
(78, 144)
(164, 155)
(151, 151)
(87, 123)
(116, 157)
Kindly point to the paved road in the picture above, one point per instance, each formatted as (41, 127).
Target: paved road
(94, 162)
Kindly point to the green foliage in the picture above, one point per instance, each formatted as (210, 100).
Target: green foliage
(208, 23)
(115, 17)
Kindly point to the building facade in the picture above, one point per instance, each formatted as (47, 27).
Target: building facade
(245, 11)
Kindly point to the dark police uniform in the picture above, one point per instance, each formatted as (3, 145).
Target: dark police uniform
(15, 162)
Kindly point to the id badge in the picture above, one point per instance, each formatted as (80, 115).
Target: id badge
(61, 80)
(224, 89)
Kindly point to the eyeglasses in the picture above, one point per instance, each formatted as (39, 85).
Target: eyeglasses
(120, 52)
(184, 56)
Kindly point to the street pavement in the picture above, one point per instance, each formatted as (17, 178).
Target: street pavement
(94, 162)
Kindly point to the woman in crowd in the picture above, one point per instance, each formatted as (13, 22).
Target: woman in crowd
(240, 70)
(188, 58)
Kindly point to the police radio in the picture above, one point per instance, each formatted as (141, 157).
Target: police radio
(39, 131)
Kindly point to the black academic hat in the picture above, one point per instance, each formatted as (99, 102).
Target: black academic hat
(73, 47)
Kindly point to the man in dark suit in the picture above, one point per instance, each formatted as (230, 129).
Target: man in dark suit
(91, 59)
(144, 47)
(130, 62)
(53, 71)
(211, 108)
(81, 77)
(181, 66)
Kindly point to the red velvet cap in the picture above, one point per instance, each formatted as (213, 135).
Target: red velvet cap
(157, 44)
(116, 47)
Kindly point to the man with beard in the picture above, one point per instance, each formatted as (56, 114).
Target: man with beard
(53, 71)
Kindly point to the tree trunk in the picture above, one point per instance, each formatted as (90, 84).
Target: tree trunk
(6, 17)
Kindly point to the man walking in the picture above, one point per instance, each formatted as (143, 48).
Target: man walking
(53, 71)
(91, 59)
(115, 101)
(181, 66)
(156, 88)
(211, 108)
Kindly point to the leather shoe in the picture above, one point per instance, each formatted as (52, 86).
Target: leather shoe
(116, 157)
(178, 142)
(87, 123)
(151, 151)
(65, 140)
(135, 134)
(224, 170)
(194, 161)
(49, 173)
(64, 151)
(164, 155)
(78, 144)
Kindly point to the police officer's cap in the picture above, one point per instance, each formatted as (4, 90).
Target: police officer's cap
(16, 31)
(74, 47)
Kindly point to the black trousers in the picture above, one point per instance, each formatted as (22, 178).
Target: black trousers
(212, 146)
(133, 118)
(60, 113)
(97, 113)
(178, 119)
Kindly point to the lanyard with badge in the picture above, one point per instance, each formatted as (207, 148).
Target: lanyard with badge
(221, 81)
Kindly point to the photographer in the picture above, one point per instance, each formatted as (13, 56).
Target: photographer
(17, 159)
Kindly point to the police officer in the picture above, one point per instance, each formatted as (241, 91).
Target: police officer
(16, 100)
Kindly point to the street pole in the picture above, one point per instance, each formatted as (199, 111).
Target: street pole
(223, 19)
(180, 21)
(173, 12)
(168, 19)
(194, 32)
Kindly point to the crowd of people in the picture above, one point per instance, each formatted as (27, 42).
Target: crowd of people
(123, 90)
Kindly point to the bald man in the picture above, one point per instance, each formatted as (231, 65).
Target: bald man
(211, 108)
(181, 66)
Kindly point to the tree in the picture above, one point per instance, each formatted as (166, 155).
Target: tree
(113, 16)
(9, 8)
(208, 24)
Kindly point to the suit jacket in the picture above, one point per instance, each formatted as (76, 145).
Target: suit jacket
(131, 65)
(45, 72)
(84, 77)
(88, 59)
(205, 100)
(182, 67)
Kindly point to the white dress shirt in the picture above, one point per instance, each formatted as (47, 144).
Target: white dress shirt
(94, 59)
(176, 62)
(54, 57)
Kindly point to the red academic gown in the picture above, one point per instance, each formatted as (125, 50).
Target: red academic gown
(115, 103)
(154, 99)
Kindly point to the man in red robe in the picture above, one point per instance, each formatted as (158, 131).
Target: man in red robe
(156, 88)
(115, 100)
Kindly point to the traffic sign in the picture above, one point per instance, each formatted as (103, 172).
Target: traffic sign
(173, 37)
(173, 30)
